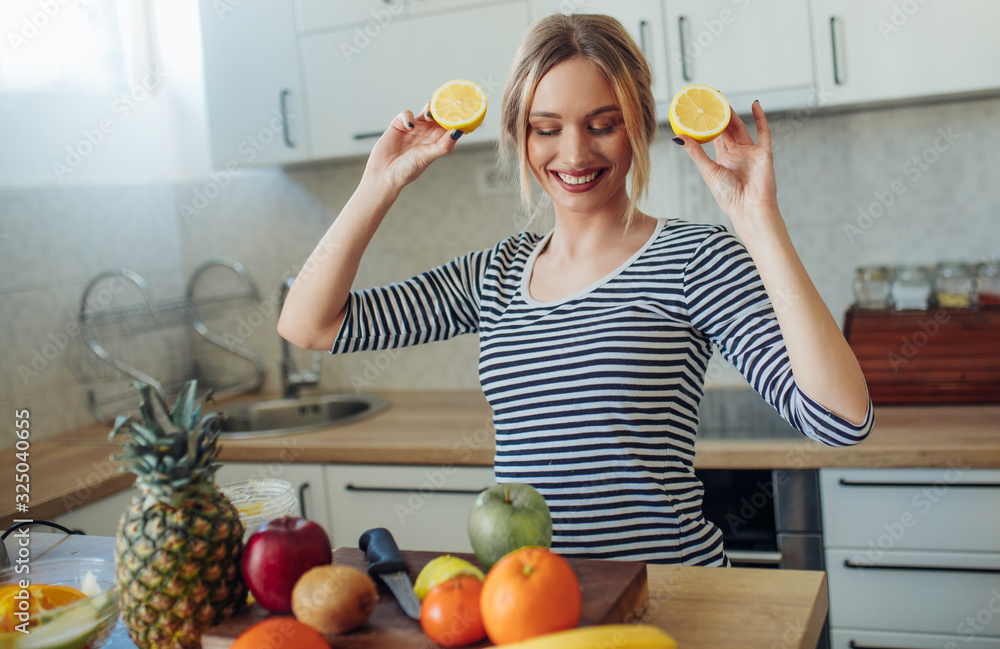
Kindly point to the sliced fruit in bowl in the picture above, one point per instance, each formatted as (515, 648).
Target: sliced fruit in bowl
(68, 604)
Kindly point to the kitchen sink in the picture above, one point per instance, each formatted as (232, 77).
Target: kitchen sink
(289, 416)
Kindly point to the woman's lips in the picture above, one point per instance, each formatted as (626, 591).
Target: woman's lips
(578, 186)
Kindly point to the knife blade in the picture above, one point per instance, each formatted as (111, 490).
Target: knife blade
(386, 561)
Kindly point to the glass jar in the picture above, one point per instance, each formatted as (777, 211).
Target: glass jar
(953, 285)
(259, 501)
(911, 287)
(871, 287)
(988, 284)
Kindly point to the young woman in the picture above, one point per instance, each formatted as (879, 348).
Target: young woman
(594, 338)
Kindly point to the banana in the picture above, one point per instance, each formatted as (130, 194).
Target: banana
(604, 636)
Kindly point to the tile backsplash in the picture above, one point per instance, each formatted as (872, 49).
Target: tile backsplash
(898, 185)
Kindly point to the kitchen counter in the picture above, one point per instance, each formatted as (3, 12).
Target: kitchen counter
(454, 428)
(711, 608)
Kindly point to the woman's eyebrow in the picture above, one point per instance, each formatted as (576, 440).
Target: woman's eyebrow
(602, 109)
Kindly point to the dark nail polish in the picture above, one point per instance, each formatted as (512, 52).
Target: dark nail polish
(410, 124)
(677, 140)
(756, 101)
(456, 135)
(429, 115)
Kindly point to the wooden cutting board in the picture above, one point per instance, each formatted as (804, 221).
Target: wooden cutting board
(613, 591)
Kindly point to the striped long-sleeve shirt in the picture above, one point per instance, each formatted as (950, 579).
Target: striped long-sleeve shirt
(595, 396)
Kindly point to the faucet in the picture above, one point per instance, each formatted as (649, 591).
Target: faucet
(292, 379)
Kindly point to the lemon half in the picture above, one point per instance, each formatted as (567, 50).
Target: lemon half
(440, 569)
(459, 104)
(700, 112)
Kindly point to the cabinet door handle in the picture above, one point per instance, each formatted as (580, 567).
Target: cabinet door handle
(681, 20)
(283, 100)
(854, 645)
(837, 76)
(368, 136)
(644, 37)
(858, 483)
(406, 490)
(890, 566)
(755, 557)
(302, 498)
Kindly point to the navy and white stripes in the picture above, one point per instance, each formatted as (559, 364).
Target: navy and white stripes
(595, 396)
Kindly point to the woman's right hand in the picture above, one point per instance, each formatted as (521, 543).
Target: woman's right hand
(407, 147)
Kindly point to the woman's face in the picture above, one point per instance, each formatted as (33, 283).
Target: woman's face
(577, 146)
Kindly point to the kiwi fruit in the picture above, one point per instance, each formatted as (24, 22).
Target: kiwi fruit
(333, 598)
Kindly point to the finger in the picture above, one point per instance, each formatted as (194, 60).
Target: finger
(403, 121)
(701, 160)
(425, 113)
(763, 129)
(736, 132)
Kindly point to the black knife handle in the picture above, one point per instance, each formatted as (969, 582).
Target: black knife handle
(383, 554)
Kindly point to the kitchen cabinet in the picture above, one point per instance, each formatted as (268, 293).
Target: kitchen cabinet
(308, 481)
(253, 87)
(97, 518)
(643, 19)
(425, 507)
(877, 50)
(748, 50)
(318, 15)
(356, 83)
(911, 554)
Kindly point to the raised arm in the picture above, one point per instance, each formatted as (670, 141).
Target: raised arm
(315, 306)
(742, 180)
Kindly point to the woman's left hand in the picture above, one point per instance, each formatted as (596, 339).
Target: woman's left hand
(742, 175)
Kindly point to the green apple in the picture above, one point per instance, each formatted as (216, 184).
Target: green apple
(506, 517)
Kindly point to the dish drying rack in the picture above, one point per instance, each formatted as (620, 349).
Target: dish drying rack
(113, 332)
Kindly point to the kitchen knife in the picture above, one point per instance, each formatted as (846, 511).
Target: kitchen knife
(386, 561)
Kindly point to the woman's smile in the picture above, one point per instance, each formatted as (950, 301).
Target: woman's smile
(579, 181)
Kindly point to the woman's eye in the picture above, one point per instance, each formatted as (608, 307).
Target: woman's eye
(602, 131)
(544, 133)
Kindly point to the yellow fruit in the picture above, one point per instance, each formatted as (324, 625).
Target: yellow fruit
(460, 105)
(334, 598)
(440, 569)
(41, 598)
(619, 636)
(700, 112)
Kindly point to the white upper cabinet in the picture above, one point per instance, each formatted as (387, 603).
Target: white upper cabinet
(318, 15)
(356, 83)
(253, 88)
(877, 50)
(423, 6)
(747, 50)
(643, 19)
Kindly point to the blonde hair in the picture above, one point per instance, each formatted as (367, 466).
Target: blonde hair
(604, 42)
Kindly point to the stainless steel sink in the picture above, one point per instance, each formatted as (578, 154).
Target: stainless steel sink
(289, 416)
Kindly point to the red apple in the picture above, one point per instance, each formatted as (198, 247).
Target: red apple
(277, 554)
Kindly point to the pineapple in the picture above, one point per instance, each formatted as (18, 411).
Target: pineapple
(180, 541)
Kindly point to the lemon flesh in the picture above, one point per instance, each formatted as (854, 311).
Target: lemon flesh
(440, 569)
(459, 105)
(700, 112)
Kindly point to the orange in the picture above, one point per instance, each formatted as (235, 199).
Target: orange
(700, 112)
(41, 597)
(529, 592)
(449, 613)
(280, 633)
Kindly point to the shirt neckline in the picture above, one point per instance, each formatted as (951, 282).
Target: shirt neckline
(529, 266)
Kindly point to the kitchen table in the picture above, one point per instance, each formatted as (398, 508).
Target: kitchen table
(710, 608)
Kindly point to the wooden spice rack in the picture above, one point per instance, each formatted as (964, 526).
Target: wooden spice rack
(927, 357)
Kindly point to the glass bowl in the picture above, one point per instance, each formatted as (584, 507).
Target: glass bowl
(260, 501)
(83, 624)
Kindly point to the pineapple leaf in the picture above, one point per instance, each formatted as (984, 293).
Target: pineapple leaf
(184, 416)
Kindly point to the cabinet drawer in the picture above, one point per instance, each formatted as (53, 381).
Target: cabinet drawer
(911, 509)
(921, 592)
(425, 507)
(859, 639)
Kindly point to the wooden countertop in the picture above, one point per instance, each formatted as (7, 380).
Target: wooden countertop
(444, 428)
(710, 608)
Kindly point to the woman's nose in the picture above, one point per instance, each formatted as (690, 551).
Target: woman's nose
(576, 148)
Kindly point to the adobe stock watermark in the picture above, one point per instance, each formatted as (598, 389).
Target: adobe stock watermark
(975, 624)
(923, 501)
(121, 108)
(33, 24)
(914, 168)
(898, 16)
(365, 34)
(912, 344)
(709, 32)
(785, 128)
